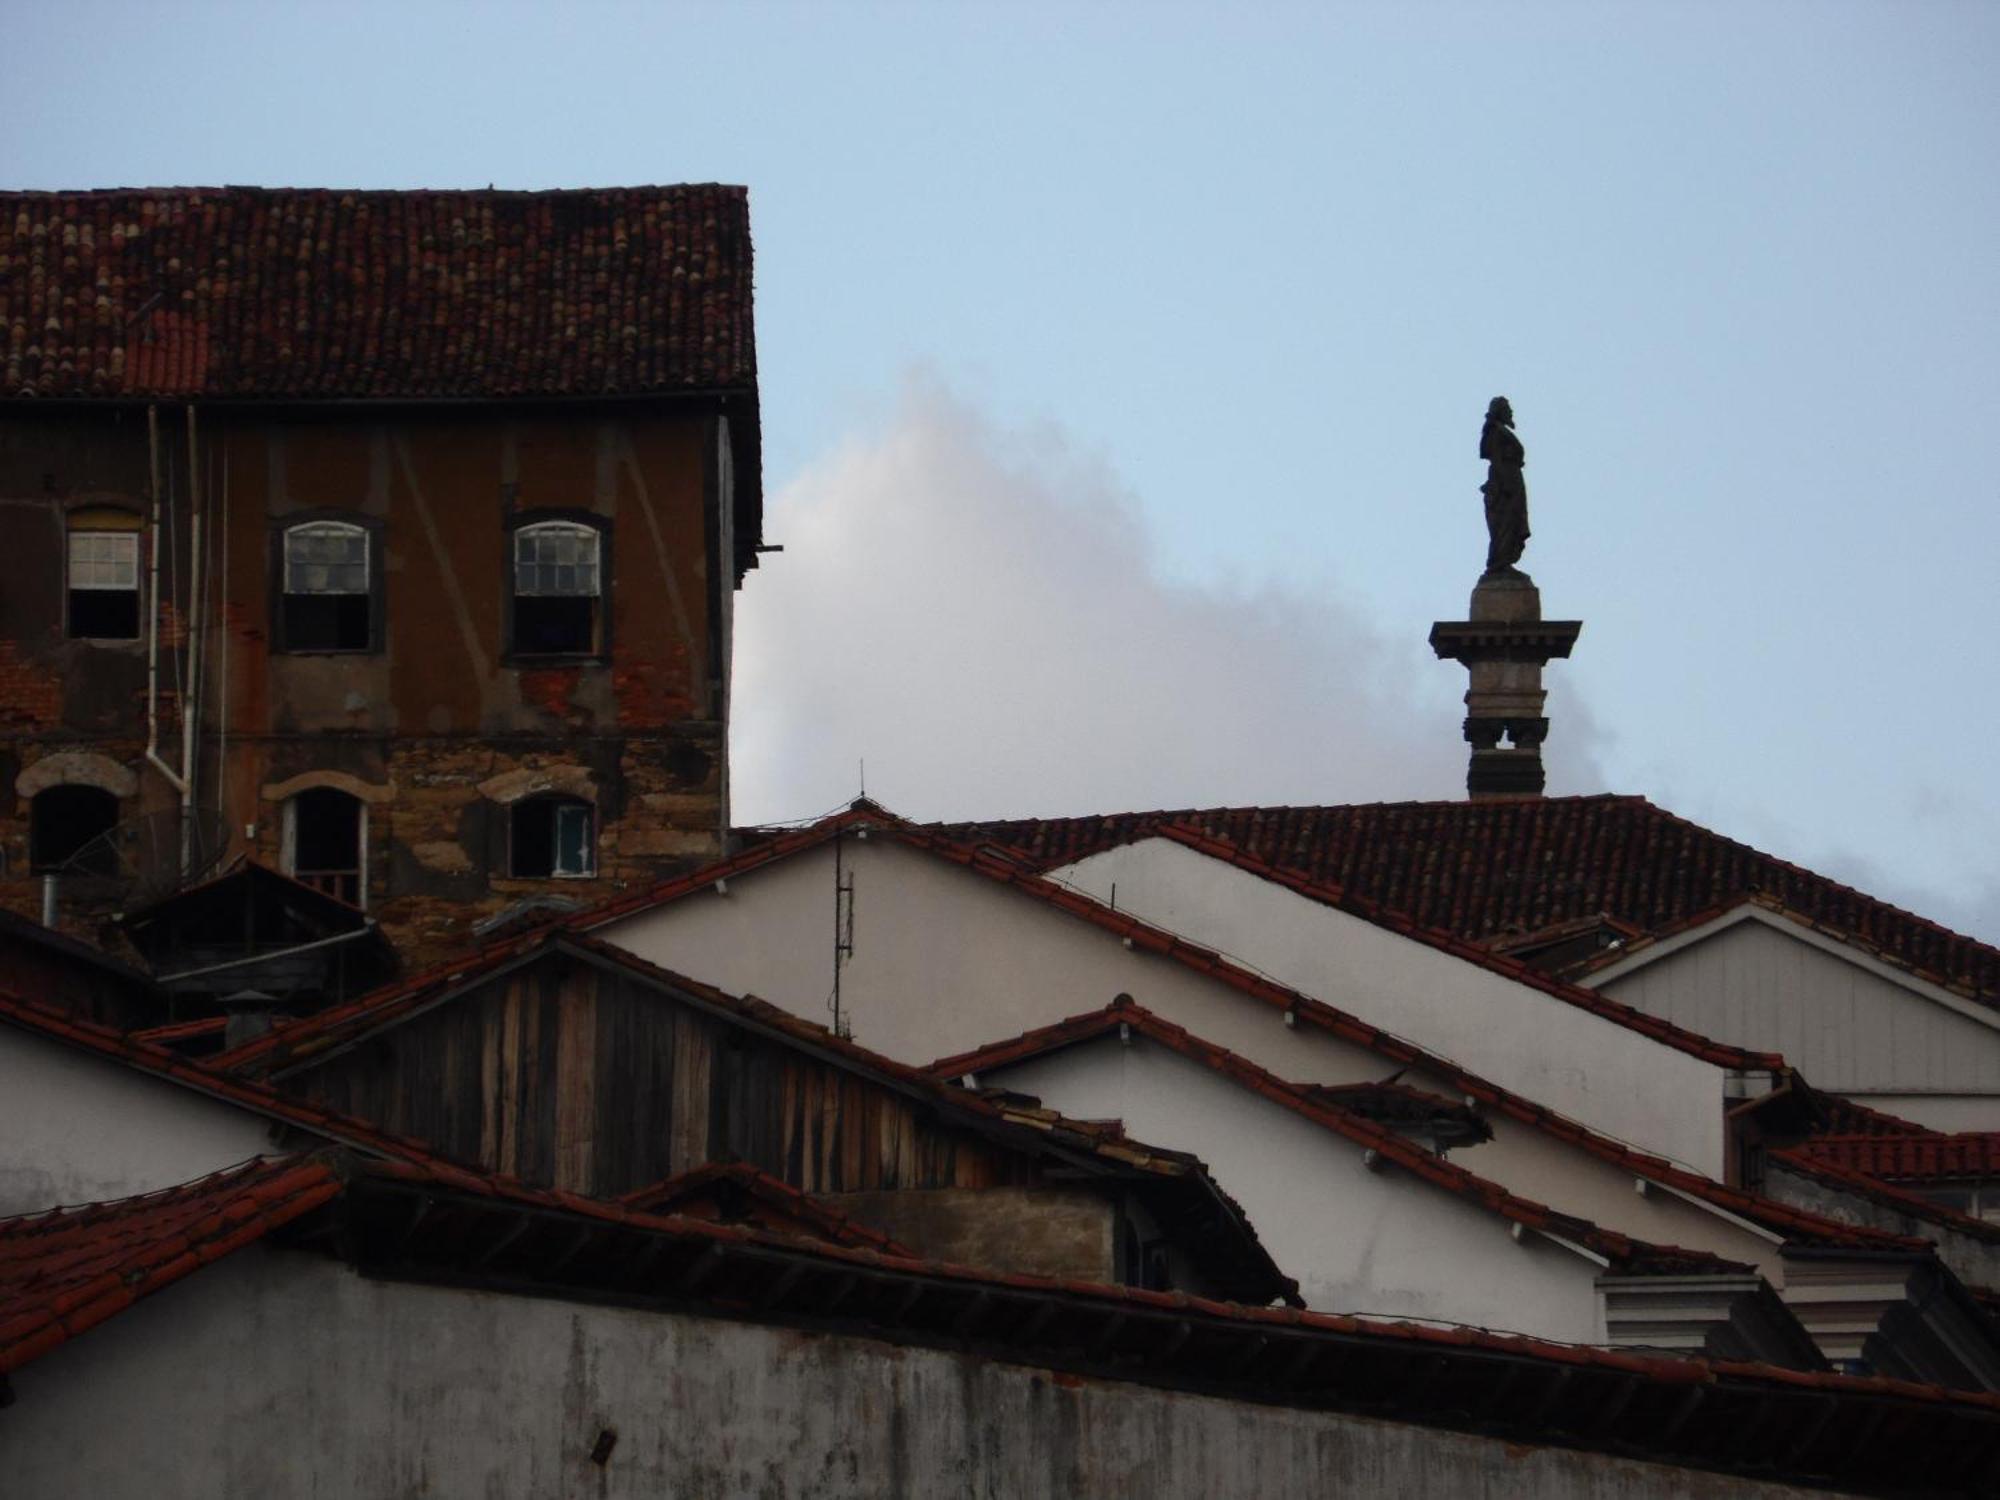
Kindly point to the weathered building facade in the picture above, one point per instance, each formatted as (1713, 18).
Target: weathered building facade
(389, 538)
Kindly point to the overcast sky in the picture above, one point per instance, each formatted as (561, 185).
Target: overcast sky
(1123, 366)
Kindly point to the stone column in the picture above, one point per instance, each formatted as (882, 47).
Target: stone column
(1504, 646)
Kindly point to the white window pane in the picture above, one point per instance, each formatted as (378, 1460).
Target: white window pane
(326, 557)
(555, 558)
(104, 560)
(572, 854)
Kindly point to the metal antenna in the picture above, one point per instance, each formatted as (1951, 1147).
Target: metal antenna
(843, 930)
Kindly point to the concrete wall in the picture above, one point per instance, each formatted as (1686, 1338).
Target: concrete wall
(1848, 1022)
(78, 1129)
(1597, 1072)
(282, 1374)
(1358, 1241)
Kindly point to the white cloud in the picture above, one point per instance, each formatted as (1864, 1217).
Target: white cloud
(974, 611)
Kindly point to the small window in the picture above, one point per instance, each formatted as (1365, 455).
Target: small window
(65, 822)
(327, 604)
(553, 836)
(557, 590)
(324, 836)
(103, 584)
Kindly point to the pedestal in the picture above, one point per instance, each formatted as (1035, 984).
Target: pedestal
(1504, 645)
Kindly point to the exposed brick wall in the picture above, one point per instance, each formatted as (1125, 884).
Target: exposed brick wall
(31, 693)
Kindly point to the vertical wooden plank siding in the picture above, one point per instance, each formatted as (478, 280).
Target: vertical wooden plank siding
(576, 1084)
(568, 1076)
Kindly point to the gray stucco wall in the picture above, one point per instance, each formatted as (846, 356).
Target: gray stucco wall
(279, 1373)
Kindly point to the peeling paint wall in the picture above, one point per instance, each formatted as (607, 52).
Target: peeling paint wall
(281, 1373)
(441, 707)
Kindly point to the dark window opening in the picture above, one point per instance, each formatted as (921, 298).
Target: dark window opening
(552, 836)
(67, 821)
(103, 580)
(557, 586)
(326, 843)
(554, 627)
(326, 622)
(326, 604)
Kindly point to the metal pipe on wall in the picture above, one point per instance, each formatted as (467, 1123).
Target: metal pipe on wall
(191, 699)
(153, 608)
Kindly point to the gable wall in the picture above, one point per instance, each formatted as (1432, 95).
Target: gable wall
(1597, 1072)
(80, 1129)
(1846, 1029)
(570, 1077)
(946, 960)
(1357, 1241)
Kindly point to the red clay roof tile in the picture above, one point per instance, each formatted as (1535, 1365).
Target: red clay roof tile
(256, 293)
(63, 1273)
(1486, 870)
(1912, 1157)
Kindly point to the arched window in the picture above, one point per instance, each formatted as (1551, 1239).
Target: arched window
(102, 575)
(328, 600)
(557, 585)
(552, 836)
(325, 840)
(65, 821)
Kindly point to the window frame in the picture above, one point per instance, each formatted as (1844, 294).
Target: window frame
(281, 528)
(557, 802)
(511, 653)
(99, 521)
(288, 846)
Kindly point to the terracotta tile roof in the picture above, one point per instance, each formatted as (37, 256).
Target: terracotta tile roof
(1490, 870)
(736, 1192)
(1909, 1157)
(63, 1273)
(1868, 1431)
(1004, 866)
(308, 293)
(1799, 1227)
(1630, 1017)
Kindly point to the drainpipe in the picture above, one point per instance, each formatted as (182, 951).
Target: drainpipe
(49, 900)
(153, 613)
(191, 706)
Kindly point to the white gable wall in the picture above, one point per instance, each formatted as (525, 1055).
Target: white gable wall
(1849, 1023)
(78, 1129)
(1358, 1241)
(946, 960)
(1597, 1072)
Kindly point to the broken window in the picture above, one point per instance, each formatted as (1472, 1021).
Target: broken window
(65, 822)
(552, 836)
(326, 604)
(557, 588)
(323, 837)
(103, 569)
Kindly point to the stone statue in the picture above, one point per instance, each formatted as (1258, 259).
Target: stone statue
(1505, 490)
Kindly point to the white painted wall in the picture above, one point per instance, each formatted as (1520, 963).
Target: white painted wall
(278, 1373)
(78, 1129)
(1599, 1073)
(1848, 1022)
(946, 960)
(1382, 1243)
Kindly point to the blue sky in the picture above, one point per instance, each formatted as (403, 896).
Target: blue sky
(1214, 299)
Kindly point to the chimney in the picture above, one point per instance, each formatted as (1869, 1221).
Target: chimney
(1505, 643)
